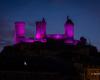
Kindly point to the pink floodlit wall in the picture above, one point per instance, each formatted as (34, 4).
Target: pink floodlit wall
(38, 30)
(76, 42)
(20, 31)
(69, 41)
(28, 40)
(43, 28)
(55, 36)
(69, 31)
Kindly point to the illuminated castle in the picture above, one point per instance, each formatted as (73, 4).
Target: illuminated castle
(41, 35)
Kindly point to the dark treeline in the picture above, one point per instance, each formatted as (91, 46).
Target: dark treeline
(54, 56)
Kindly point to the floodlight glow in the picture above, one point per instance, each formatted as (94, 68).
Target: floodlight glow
(41, 29)
(29, 40)
(56, 36)
(69, 41)
(38, 30)
(38, 36)
(20, 28)
(76, 42)
(20, 31)
(69, 30)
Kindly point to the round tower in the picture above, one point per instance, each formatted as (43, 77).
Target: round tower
(43, 31)
(38, 30)
(20, 31)
(69, 29)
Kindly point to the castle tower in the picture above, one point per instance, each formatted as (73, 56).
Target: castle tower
(69, 29)
(43, 25)
(38, 30)
(41, 29)
(20, 31)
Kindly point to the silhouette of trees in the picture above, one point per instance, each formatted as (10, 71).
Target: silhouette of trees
(53, 56)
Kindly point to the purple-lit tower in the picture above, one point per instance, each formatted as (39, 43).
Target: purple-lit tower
(43, 32)
(69, 30)
(41, 29)
(38, 30)
(20, 31)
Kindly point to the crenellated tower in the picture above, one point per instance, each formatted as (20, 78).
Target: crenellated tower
(38, 30)
(41, 29)
(69, 29)
(19, 31)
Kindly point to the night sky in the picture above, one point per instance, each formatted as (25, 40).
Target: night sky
(84, 13)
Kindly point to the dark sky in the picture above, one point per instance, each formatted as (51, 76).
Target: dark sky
(84, 13)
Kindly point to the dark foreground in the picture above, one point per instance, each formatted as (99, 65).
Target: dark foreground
(47, 61)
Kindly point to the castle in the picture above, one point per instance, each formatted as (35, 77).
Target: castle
(49, 56)
(41, 35)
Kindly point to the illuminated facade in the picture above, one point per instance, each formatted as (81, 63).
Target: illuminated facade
(20, 31)
(55, 36)
(41, 32)
(69, 31)
(41, 29)
(69, 28)
(38, 30)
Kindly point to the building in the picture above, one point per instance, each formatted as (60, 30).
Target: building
(49, 56)
(41, 35)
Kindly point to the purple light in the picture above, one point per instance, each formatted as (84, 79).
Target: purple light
(69, 41)
(29, 40)
(40, 29)
(38, 36)
(20, 31)
(20, 28)
(69, 30)
(43, 40)
(76, 42)
(43, 27)
(41, 32)
(56, 36)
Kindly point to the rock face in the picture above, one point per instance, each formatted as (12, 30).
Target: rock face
(53, 60)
